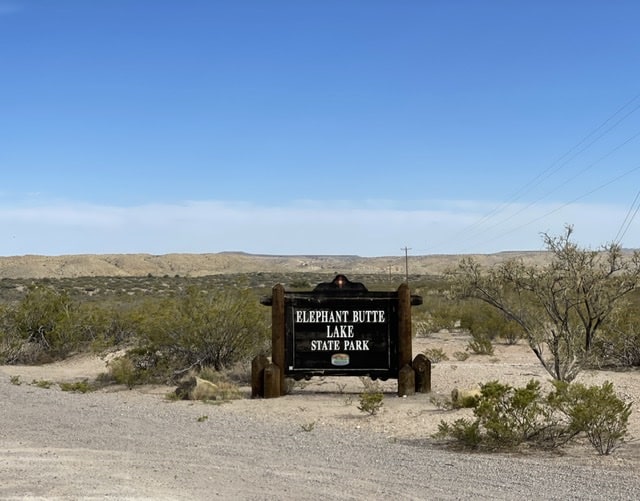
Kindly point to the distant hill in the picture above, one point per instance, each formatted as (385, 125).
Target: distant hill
(83, 265)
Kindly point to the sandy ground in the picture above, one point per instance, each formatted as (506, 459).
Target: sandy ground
(333, 401)
(314, 443)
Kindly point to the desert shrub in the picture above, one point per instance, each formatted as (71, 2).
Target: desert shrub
(618, 349)
(435, 355)
(371, 402)
(461, 356)
(106, 326)
(485, 322)
(464, 431)
(147, 366)
(506, 417)
(480, 344)
(42, 320)
(595, 411)
(561, 306)
(441, 402)
(42, 383)
(438, 312)
(619, 342)
(372, 399)
(77, 387)
(509, 415)
(421, 328)
(300, 284)
(122, 370)
(47, 324)
(239, 373)
(10, 343)
(196, 329)
(308, 427)
(212, 375)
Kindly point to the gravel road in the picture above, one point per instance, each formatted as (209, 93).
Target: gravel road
(132, 445)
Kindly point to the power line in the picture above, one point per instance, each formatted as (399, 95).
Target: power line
(553, 168)
(557, 209)
(628, 219)
(567, 181)
(585, 143)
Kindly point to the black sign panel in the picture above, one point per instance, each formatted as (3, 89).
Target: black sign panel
(341, 335)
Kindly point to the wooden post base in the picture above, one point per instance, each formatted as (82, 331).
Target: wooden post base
(272, 381)
(406, 381)
(257, 375)
(422, 368)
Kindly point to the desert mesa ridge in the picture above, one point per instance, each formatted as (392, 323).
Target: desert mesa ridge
(196, 265)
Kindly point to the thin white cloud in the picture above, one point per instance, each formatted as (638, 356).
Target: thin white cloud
(307, 227)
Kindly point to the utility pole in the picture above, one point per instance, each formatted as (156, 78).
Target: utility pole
(406, 262)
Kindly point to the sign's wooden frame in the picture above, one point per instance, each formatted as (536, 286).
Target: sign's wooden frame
(268, 376)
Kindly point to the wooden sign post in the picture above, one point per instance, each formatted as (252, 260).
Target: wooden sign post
(338, 329)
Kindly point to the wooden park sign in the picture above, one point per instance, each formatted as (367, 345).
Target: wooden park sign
(339, 329)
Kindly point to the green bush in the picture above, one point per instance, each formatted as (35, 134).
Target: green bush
(480, 345)
(421, 328)
(100, 312)
(485, 322)
(197, 329)
(77, 387)
(435, 355)
(506, 417)
(42, 383)
(372, 399)
(40, 321)
(509, 415)
(167, 334)
(595, 411)
(438, 312)
(107, 325)
(619, 342)
(464, 431)
(371, 402)
(46, 325)
(122, 370)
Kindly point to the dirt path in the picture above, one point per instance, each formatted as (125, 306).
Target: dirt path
(312, 444)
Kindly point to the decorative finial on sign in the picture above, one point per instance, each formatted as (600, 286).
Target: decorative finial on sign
(341, 283)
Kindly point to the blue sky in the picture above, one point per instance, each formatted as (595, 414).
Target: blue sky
(317, 127)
